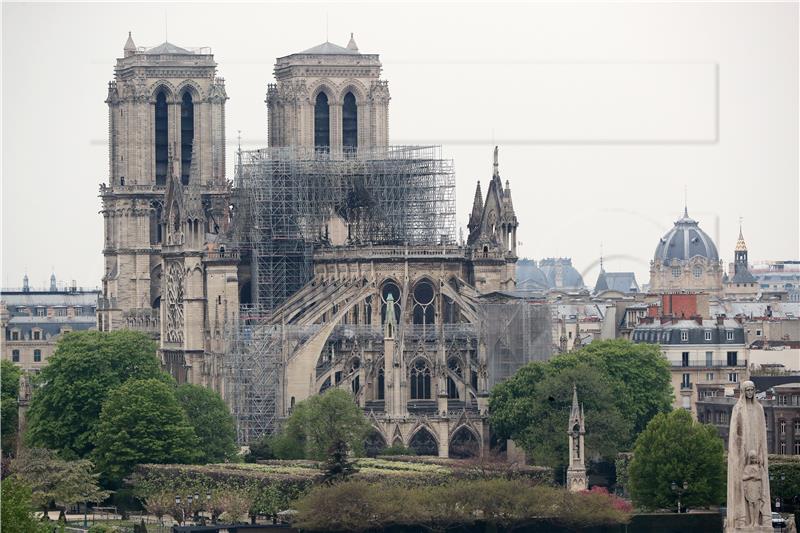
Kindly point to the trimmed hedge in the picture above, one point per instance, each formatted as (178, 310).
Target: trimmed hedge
(508, 503)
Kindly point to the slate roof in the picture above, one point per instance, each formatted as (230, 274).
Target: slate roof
(167, 48)
(684, 241)
(571, 278)
(624, 282)
(328, 48)
(49, 299)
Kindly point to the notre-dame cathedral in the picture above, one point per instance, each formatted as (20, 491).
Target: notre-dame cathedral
(327, 259)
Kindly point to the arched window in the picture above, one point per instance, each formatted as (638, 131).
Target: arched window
(161, 140)
(187, 135)
(424, 443)
(423, 302)
(390, 287)
(697, 271)
(464, 444)
(349, 122)
(452, 389)
(381, 384)
(420, 376)
(322, 124)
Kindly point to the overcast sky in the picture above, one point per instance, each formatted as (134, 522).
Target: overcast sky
(606, 114)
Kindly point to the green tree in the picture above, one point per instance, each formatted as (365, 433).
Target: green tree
(142, 422)
(639, 374)
(9, 407)
(211, 420)
(53, 480)
(318, 422)
(338, 467)
(673, 449)
(17, 515)
(537, 418)
(71, 389)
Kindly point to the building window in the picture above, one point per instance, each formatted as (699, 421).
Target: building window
(732, 358)
(15, 335)
(729, 335)
(783, 399)
(782, 424)
(77, 311)
(15, 356)
(161, 142)
(420, 381)
(709, 376)
(322, 123)
(41, 311)
(37, 356)
(686, 381)
(685, 359)
(684, 335)
(783, 448)
(37, 335)
(709, 358)
(733, 377)
(697, 271)
(349, 122)
(758, 333)
(676, 272)
(797, 427)
(708, 335)
(187, 135)
(797, 447)
(61, 311)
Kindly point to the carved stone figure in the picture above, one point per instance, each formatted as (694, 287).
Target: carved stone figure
(748, 481)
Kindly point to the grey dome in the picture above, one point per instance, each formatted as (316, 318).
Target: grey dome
(561, 267)
(684, 241)
(530, 277)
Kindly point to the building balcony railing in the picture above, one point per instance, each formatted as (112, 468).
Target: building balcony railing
(705, 363)
(687, 386)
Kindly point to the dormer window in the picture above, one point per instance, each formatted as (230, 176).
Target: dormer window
(708, 335)
(729, 334)
(684, 335)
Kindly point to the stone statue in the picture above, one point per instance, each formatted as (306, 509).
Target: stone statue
(748, 480)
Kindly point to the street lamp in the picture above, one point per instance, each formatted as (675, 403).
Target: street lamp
(178, 504)
(679, 490)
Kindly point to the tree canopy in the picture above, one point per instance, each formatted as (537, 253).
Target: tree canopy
(71, 389)
(53, 480)
(320, 421)
(211, 420)
(9, 407)
(142, 422)
(673, 448)
(621, 384)
(17, 515)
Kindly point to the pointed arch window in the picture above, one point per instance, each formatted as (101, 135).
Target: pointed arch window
(161, 138)
(420, 376)
(322, 124)
(187, 135)
(350, 123)
(381, 384)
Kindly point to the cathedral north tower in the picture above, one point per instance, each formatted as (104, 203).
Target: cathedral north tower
(329, 98)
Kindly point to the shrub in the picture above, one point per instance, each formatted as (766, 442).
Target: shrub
(361, 506)
(397, 449)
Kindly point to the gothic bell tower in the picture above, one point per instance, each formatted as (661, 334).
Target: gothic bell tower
(163, 98)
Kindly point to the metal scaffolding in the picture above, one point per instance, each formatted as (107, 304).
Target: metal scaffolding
(295, 199)
(289, 201)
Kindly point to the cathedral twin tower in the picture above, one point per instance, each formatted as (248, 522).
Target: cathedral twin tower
(167, 124)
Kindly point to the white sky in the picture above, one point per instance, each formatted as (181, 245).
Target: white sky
(604, 113)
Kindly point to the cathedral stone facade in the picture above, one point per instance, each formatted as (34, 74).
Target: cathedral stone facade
(399, 323)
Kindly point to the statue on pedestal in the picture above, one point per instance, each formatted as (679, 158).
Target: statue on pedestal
(748, 479)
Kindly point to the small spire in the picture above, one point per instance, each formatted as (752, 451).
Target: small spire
(477, 209)
(740, 244)
(352, 44)
(130, 47)
(496, 173)
(601, 257)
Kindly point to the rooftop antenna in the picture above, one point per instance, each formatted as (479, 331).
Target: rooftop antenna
(601, 256)
(686, 201)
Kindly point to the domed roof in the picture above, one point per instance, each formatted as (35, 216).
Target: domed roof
(684, 241)
(560, 273)
(530, 277)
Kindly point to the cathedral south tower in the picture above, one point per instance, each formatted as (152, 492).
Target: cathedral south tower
(165, 104)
